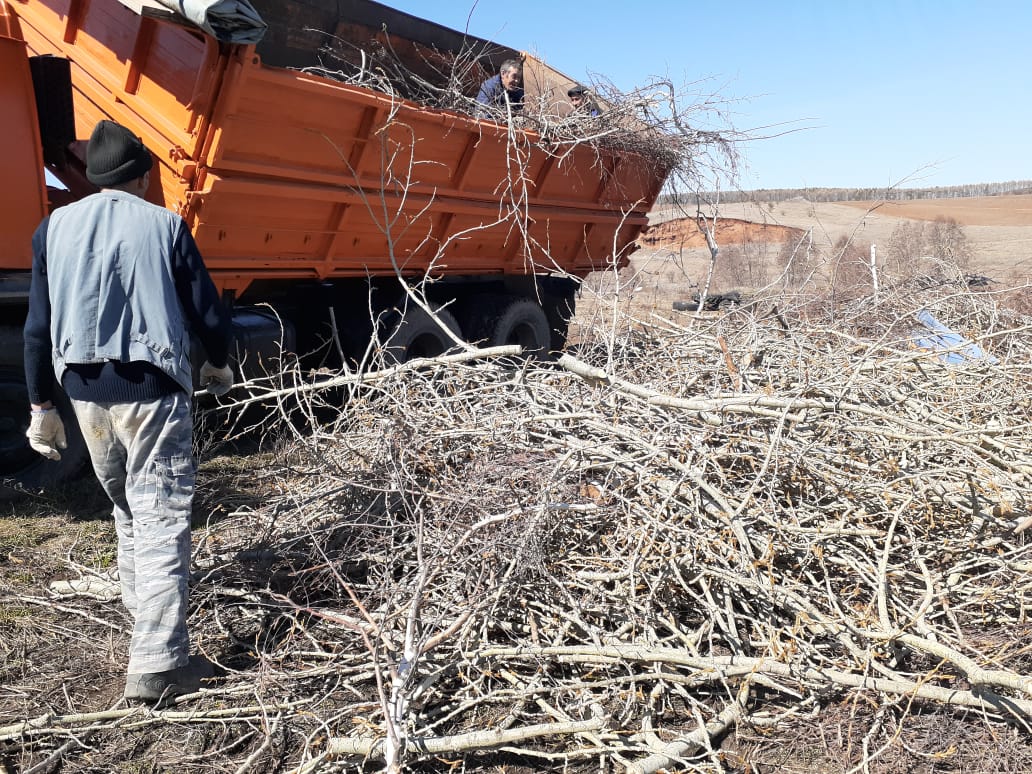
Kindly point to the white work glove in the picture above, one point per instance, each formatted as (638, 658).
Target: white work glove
(46, 433)
(216, 380)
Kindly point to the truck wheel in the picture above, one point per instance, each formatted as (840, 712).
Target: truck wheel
(415, 333)
(522, 321)
(23, 471)
(729, 303)
(559, 300)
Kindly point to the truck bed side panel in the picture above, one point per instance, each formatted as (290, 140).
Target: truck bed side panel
(344, 181)
(286, 174)
(23, 191)
(157, 78)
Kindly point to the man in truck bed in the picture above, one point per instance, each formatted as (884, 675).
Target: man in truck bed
(503, 92)
(116, 281)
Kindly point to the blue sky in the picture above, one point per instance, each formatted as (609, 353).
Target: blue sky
(913, 93)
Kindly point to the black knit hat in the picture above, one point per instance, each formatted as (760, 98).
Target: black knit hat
(575, 89)
(115, 155)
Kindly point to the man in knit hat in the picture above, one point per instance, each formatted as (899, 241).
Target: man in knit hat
(581, 102)
(117, 286)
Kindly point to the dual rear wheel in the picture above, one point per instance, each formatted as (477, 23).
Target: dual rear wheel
(497, 320)
(490, 320)
(413, 333)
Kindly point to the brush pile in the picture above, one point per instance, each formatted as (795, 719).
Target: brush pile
(720, 543)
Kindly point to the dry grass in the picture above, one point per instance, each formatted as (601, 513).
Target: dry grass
(998, 228)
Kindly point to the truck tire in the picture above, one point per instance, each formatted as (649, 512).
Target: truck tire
(729, 302)
(685, 306)
(559, 300)
(414, 333)
(521, 321)
(23, 471)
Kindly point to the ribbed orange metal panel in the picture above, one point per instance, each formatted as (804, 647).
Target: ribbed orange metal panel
(23, 198)
(164, 98)
(308, 146)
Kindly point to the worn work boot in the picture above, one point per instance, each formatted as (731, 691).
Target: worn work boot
(159, 688)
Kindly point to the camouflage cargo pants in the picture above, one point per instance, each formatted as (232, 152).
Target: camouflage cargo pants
(143, 456)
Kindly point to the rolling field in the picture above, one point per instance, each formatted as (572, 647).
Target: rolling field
(998, 228)
(674, 260)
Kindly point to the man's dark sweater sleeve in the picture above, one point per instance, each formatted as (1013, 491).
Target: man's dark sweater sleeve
(39, 364)
(209, 319)
(490, 90)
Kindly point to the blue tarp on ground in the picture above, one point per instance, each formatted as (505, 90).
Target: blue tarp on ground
(950, 345)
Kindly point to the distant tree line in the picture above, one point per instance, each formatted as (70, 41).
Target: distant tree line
(855, 194)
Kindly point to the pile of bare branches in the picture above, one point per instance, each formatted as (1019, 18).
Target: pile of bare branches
(444, 81)
(725, 542)
(659, 121)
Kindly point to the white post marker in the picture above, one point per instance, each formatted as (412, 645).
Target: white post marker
(874, 273)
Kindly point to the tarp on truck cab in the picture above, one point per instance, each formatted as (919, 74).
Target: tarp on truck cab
(231, 21)
(300, 31)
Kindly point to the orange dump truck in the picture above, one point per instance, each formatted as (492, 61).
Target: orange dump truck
(307, 194)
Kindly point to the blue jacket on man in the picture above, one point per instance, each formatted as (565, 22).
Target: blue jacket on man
(495, 95)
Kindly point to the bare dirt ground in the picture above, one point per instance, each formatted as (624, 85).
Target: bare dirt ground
(686, 233)
(972, 211)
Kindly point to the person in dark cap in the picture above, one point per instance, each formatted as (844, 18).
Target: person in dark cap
(117, 286)
(582, 103)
